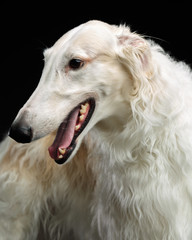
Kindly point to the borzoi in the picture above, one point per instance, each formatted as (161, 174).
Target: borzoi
(103, 147)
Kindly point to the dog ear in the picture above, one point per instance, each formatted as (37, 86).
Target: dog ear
(134, 52)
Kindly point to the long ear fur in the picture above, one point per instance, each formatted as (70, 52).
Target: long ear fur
(134, 53)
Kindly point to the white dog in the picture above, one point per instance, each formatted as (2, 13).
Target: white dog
(115, 113)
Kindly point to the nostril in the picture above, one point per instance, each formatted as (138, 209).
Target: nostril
(21, 133)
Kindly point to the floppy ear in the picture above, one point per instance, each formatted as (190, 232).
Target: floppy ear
(134, 53)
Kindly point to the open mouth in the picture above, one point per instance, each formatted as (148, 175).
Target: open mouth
(68, 131)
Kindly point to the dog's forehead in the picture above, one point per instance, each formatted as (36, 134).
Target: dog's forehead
(93, 35)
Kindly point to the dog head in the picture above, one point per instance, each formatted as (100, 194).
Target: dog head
(89, 75)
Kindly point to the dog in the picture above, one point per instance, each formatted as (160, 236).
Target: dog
(103, 147)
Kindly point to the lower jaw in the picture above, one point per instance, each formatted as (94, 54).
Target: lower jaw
(70, 150)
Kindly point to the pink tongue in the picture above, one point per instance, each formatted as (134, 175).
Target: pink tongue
(64, 135)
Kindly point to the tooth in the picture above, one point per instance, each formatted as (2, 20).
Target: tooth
(77, 127)
(81, 118)
(84, 107)
(62, 151)
(82, 111)
(60, 156)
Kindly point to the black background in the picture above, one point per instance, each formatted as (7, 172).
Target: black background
(28, 28)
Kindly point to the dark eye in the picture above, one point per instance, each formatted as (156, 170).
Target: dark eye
(76, 63)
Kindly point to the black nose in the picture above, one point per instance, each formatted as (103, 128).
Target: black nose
(21, 133)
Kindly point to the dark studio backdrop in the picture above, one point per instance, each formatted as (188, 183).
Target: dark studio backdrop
(28, 28)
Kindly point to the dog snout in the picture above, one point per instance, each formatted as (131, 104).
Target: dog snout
(21, 132)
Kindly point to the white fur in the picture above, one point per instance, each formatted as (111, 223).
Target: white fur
(131, 174)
